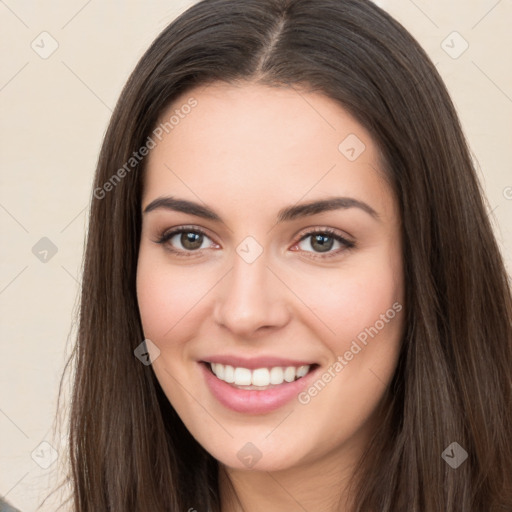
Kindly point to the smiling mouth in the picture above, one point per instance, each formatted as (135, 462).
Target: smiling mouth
(259, 378)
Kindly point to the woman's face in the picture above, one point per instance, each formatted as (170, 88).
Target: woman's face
(271, 248)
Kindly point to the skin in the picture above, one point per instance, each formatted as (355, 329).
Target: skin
(246, 151)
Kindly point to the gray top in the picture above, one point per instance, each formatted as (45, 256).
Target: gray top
(5, 507)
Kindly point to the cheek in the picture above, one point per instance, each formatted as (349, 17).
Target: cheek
(363, 309)
(155, 294)
(168, 296)
(353, 298)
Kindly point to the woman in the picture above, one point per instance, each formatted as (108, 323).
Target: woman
(292, 296)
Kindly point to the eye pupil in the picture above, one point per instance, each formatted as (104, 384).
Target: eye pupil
(322, 243)
(191, 241)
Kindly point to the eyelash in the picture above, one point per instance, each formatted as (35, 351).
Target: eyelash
(347, 244)
(167, 235)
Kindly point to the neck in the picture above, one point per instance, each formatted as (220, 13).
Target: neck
(320, 485)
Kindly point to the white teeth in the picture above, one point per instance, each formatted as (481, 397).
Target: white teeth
(242, 376)
(221, 371)
(302, 371)
(229, 374)
(276, 375)
(289, 374)
(261, 377)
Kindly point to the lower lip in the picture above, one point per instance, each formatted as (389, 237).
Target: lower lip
(254, 401)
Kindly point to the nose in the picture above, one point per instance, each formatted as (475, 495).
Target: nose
(251, 300)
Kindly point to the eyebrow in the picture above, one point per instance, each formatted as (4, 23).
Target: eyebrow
(286, 214)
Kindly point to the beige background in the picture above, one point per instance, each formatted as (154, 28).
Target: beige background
(54, 114)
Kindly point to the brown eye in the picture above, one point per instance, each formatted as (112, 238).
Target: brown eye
(324, 242)
(321, 243)
(186, 240)
(191, 240)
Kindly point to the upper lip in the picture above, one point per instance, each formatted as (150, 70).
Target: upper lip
(255, 362)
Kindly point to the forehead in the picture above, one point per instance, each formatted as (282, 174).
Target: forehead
(248, 142)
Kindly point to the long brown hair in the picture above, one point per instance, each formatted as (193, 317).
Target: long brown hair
(129, 451)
